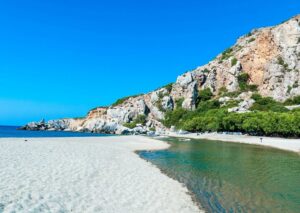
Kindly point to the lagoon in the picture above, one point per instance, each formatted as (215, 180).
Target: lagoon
(232, 177)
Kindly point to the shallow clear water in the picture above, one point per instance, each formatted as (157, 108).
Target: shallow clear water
(230, 177)
(11, 131)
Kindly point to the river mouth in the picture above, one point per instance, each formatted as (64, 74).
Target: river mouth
(232, 177)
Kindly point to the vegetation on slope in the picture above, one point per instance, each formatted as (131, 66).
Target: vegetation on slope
(122, 100)
(211, 117)
(292, 101)
(267, 104)
(243, 83)
(141, 119)
(267, 117)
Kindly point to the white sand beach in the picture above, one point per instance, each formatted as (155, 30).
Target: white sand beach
(279, 143)
(100, 174)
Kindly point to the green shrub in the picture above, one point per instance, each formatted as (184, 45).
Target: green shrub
(296, 84)
(238, 47)
(206, 70)
(256, 97)
(209, 121)
(179, 102)
(180, 116)
(267, 104)
(243, 80)
(122, 100)
(231, 103)
(232, 122)
(222, 91)
(173, 118)
(160, 95)
(293, 101)
(160, 106)
(208, 105)
(79, 118)
(286, 124)
(234, 62)
(289, 89)
(130, 125)
(243, 83)
(232, 94)
(140, 119)
(252, 87)
(281, 62)
(226, 54)
(204, 95)
(270, 118)
(169, 87)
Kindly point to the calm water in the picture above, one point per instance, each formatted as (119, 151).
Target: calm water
(229, 177)
(11, 131)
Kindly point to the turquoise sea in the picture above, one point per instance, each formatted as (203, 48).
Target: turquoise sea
(231, 177)
(11, 131)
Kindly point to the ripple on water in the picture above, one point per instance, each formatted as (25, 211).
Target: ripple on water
(230, 177)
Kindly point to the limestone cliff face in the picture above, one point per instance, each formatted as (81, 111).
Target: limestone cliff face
(271, 57)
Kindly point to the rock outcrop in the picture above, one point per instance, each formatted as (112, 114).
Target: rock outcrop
(270, 56)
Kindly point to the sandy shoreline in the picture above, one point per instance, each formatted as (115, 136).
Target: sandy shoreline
(101, 174)
(279, 143)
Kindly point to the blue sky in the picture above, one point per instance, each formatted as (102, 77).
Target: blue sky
(61, 58)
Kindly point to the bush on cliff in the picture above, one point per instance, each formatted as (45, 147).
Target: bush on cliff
(293, 101)
(122, 100)
(169, 87)
(243, 83)
(140, 119)
(204, 95)
(173, 118)
(269, 118)
(266, 104)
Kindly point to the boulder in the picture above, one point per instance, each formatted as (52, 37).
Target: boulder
(243, 107)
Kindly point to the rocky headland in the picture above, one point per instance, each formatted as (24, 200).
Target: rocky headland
(266, 62)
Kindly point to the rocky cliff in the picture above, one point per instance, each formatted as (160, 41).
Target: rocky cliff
(269, 56)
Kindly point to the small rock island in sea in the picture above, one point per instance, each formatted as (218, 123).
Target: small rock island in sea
(249, 87)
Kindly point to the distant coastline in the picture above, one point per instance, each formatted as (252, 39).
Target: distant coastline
(13, 132)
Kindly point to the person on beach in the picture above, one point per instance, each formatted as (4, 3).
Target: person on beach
(261, 140)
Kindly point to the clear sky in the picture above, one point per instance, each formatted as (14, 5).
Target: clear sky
(61, 58)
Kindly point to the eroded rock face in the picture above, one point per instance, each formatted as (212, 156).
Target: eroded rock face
(97, 112)
(128, 111)
(270, 56)
(282, 69)
(167, 103)
(186, 87)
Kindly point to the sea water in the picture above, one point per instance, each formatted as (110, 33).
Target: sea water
(11, 131)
